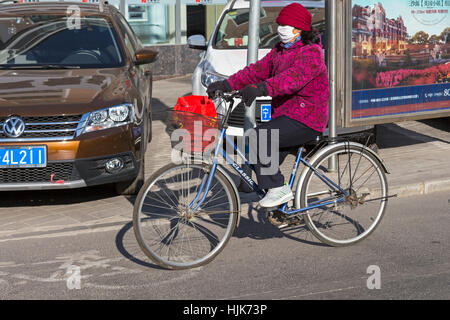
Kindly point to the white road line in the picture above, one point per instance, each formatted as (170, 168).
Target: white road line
(64, 233)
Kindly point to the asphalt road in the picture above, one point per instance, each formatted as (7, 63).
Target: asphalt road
(411, 249)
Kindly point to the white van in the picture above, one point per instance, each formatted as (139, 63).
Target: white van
(226, 51)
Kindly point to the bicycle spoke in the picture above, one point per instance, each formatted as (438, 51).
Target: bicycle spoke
(343, 172)
(171, 200)
(158, 214)
(161, 238)
(351, 220)
(182, 239)
(168, 234)
(214, 195)
(165, 208)
(161, 200)
(374, 171)
(357, 166)
(198, 231)
(365, 173)
(350, 170)
(204, 230)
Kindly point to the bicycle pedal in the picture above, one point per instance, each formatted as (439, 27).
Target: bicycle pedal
(291, 223)
(284, 225)
(295, 221)
(276, 218)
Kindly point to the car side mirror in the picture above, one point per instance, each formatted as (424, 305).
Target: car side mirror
(197, 42)
(145, 55)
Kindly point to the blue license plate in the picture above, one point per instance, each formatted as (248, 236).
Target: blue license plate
(23, 156)
(266, 113)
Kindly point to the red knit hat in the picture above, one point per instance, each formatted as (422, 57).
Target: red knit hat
(295, 15)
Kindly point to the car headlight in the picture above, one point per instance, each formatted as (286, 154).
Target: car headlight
(209, 77)
(119, 113)
(109, 118)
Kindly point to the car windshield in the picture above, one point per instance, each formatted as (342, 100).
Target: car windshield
(55, 41)
(233, 30)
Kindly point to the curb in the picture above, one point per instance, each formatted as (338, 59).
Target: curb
(421, 188)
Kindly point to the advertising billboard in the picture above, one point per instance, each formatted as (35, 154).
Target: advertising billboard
(400, 59)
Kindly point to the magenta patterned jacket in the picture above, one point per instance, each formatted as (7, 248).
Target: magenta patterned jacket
(297, 81)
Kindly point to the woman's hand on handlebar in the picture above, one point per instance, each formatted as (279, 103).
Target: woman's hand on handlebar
(251, 92)
(222, 86)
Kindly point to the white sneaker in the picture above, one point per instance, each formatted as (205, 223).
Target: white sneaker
(276, 197)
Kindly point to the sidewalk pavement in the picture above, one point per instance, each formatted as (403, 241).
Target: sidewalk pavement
(417, 154)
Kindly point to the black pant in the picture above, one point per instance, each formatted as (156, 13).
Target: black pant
(291, 134)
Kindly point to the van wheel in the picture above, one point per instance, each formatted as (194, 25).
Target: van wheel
(132, 187)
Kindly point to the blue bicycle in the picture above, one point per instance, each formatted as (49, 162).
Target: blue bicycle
(185, 214)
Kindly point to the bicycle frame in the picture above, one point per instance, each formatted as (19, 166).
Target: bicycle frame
(206, 181)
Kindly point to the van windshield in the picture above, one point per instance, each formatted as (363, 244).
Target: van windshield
(53, 41)
(233, 30)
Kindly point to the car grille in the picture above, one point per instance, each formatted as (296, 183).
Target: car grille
(45, 128)
(236, 118)
(62, 171)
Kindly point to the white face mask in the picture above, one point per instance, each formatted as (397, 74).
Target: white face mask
(286, 33)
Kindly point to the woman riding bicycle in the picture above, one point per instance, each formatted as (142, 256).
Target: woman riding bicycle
(294, 74)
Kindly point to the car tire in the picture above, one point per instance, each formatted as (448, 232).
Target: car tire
(149, 136)
(132, 187)
(149, 111)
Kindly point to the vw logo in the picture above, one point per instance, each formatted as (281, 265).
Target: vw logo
(13, 127)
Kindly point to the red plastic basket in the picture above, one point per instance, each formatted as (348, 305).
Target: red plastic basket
(197, 104)
(197, 116)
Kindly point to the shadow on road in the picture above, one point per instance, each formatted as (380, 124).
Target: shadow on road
(253, 225)
(8, 199)
(261, 229)
(127, 245)
(131, 254)
(159, 110)
(392, 135)
(440, 123)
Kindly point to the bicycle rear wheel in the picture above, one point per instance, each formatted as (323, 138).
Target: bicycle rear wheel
(349, 219)
(168, 232)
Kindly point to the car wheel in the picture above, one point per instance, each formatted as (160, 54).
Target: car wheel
(149, 136)
(132, 187)
(150, 118)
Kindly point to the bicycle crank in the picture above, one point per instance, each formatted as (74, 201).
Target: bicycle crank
(282, 220)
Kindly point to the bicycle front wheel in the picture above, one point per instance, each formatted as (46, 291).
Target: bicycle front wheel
(169, 232)
(339, 220)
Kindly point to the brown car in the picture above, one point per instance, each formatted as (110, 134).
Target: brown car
(75, 93)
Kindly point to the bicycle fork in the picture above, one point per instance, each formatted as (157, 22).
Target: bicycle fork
(207, 179)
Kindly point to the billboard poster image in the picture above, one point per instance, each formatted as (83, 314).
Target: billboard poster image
(400, 57)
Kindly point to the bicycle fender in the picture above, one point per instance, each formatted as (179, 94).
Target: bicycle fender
(236, 192)
(353, 144)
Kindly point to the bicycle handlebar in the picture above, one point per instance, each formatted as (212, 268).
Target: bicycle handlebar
(228, 96)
